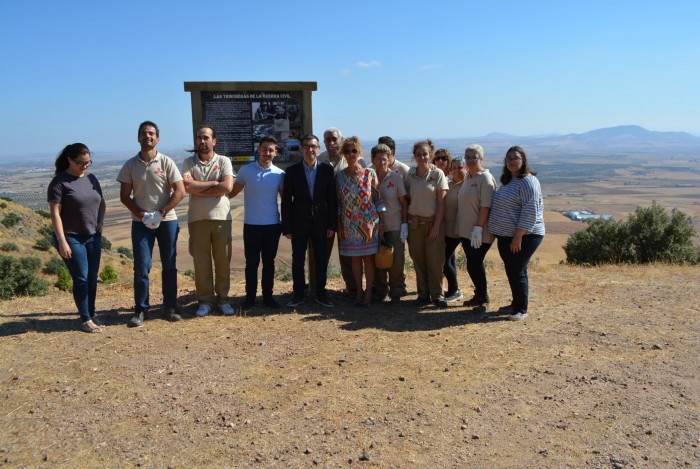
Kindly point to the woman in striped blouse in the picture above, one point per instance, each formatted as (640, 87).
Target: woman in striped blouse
(517, 220)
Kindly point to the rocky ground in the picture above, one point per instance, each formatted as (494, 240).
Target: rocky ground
(603, 373)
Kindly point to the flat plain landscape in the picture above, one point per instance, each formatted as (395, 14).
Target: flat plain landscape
(603, 373)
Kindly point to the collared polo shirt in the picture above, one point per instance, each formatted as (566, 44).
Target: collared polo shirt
(260, 194)
(208, 208)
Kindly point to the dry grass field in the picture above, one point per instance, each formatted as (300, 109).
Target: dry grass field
(603, 373)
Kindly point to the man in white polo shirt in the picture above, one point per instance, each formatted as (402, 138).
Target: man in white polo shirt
(263, 182)
(151, 187)
(208, 178)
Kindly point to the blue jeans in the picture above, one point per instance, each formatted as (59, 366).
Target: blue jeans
(475, 266)
(142, 240)
(260, 241)
(83, 266)
(516, 267)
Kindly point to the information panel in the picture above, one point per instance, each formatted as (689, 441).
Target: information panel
(244, 112)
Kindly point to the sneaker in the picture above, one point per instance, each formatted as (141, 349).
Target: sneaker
(137, 319)
(271, 302)
(421, 301)
(477, 301)
(203, 310)
(440, 303)
(172, 315)
(226, 309)
(505, 310)
(296, 301)
(456, 296)
(520, 315)
(324, 301)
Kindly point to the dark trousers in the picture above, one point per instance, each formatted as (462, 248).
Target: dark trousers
(260, 241)
(516, 267)
(300, 238)
(449, 270)
(83, 267)
(475, 266)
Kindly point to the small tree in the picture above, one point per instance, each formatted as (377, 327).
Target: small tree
(64, 282)
(108, 274)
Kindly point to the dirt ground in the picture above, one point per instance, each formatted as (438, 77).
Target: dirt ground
(603, 373)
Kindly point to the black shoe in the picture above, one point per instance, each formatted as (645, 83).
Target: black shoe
(271, 302)
(395, 300)
(247, 303)
(324, 301)
(455, 296)
(440, 304)
(172, 315)
(421, 301)
(137, 319)
(477, 301)
(296, 301)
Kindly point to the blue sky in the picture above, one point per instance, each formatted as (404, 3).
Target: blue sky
(91, 71)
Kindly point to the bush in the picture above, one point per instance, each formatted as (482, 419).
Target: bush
(43, 244)
(53, 265)
(108, 274)
(31, 264)
(106, 244)
(7, 247)
(7, 199)
(46, 231)
(189, 273)
(43, 213)
(649, 235)
(283, 272)
(10, 220)
(64, 282)
(126, 252)
(3, 205)
(16, 279)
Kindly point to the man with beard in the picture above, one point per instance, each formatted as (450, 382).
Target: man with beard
(151, 187)
(208, 179)
(263, 182)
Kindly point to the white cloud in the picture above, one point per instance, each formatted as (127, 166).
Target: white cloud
(430, 67)
(345, 71)
(370, 64)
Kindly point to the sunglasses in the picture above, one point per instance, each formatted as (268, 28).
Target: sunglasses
(441, 158)
(83, 164)
(354, 151)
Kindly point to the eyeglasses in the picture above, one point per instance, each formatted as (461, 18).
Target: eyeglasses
(472, 158)
(354, 151)
(310, 147)
(441, 158)
(82, 164)
(513, 158)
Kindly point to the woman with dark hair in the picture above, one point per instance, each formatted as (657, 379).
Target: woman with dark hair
(426, 187)
(77, 210)
(360, 209)
(517, 221)
(443, 161)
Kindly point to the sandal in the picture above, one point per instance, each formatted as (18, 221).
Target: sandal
(89, 326)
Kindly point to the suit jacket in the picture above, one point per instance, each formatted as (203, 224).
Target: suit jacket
(299, 209)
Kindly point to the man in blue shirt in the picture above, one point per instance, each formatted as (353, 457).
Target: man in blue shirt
(263, 181)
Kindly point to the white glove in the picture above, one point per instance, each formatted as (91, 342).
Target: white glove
(404, 232)
(477, 232)
(152, 220)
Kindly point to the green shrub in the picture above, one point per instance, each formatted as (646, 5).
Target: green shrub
(3, 205)
(126, 252)
(189, 273)
(10, 220)
(7, 247)
(64, 282)
(43, 244)
(17, 280)
(106, 244)
(32, 264)
(43, 213)
(108, 274)
(46, 231)
(649, 235)
(53, 265)
(283, 272)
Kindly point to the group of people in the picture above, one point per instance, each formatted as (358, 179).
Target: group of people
(435, 205)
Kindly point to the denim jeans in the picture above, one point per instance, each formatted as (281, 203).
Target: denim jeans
(516, 267)
(475, 266)
(83, 266)
(260, 241)
(449, 270)
(142, 240)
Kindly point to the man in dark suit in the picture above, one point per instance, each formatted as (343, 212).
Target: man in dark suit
(309, 213)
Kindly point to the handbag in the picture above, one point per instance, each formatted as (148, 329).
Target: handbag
(384, 258)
